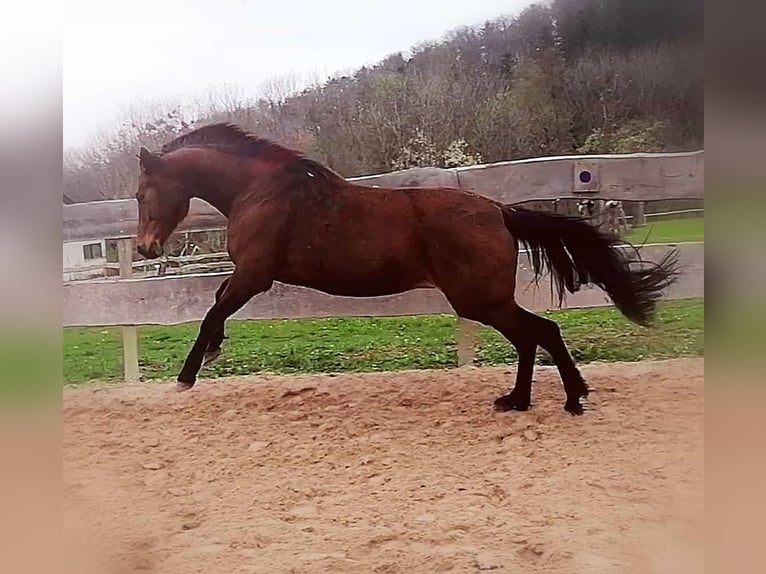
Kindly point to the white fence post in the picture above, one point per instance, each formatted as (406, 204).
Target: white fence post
(467, 339)
(129, 333)
(639, 218)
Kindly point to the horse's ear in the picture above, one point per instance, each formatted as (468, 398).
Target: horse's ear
(148, 161)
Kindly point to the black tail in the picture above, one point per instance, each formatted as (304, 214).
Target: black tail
(577, 253)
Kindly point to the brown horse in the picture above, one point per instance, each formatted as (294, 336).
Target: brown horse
(293, 220)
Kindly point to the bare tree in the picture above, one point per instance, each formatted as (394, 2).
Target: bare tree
(560, 77)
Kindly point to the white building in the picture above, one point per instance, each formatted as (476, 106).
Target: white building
(84, 259)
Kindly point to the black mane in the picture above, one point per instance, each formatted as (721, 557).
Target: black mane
(232, 139)
(224, 136)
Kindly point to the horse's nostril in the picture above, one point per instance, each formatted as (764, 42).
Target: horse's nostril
(146, 251)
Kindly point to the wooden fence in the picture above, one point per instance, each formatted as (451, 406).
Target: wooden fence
(129, 302)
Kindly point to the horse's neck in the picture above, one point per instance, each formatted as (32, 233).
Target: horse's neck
(217, 184)
(221, 199)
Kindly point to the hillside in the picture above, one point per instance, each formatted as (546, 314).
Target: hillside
(571, 76)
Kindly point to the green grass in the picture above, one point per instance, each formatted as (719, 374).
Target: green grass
(349, 344)
(605, 335)
(669, 231)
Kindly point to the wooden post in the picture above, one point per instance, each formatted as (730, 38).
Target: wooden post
(130, 333)
(467, 338)
(639, 219)
(106, 258)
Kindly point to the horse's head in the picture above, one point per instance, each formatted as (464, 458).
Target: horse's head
(162, 204)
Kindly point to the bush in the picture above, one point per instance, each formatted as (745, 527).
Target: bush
(420, 151)
(633, 137)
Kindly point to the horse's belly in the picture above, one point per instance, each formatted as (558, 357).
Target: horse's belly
(365, 279)
(363, 288)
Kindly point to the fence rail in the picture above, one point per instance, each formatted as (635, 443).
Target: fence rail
(178, 298)
(629, 177)
(181, 299)
(675, 213)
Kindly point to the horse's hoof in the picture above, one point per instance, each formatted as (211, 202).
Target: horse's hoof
(180, 387)
(211, 356)
(574, 407)
(510, 403)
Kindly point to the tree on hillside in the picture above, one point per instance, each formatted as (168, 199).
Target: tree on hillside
(559, 77)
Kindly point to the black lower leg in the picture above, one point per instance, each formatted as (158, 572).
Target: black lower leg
(234, 296)
(520, 398)
(527, 331)
(549, 338)
(509, 321)
(188, 375)
(214, 346)
(217, 337)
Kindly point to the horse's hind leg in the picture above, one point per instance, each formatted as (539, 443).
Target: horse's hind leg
(520, 398)
(526, 331)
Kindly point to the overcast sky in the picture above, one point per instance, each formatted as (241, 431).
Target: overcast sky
(119, 53)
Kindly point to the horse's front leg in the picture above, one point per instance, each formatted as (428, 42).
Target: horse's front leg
(237, 292)
(213, 349)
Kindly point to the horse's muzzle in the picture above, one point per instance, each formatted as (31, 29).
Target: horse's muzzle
(151, 250)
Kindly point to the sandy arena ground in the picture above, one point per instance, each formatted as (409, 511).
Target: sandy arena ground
(388, 473)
